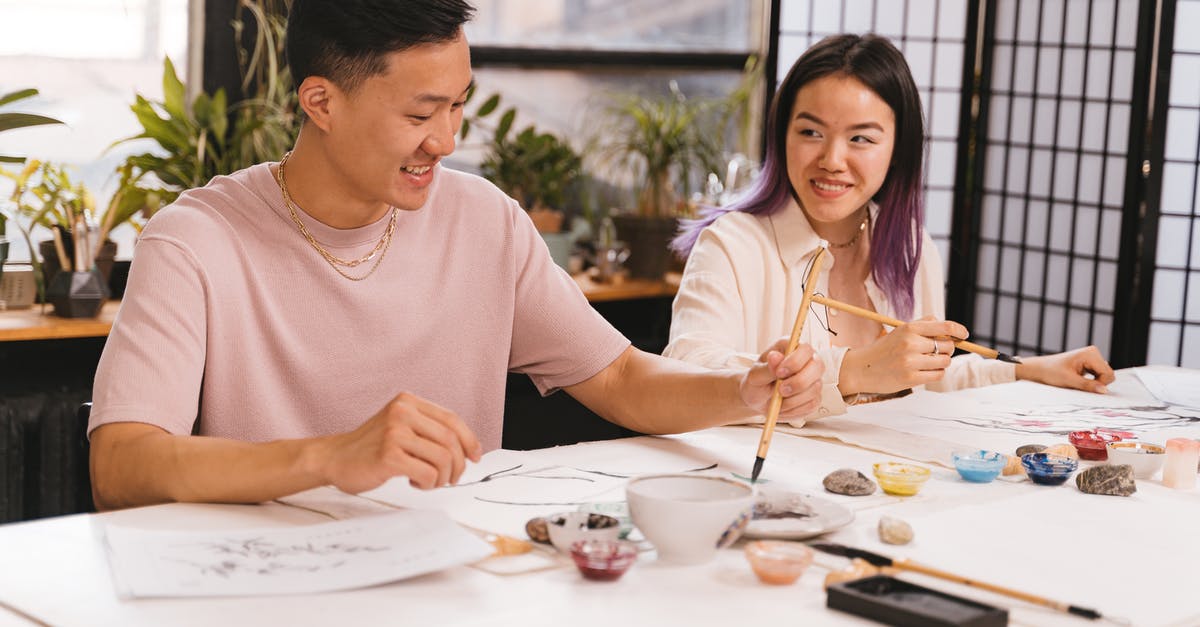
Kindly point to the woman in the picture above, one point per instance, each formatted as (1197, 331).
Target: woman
(844, 152)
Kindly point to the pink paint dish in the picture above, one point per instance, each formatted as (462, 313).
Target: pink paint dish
(1093, 445)
(778, 562)
(603, 560)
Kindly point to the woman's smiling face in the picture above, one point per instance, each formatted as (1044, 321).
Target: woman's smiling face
(839, 149)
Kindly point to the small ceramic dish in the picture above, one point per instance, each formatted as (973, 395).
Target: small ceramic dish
(1146, 458)
(979, 466)
(568, 528)
(1092, 444)
(616, 509)
(1047, 469)
(603, 560)
(784, 515)
(899, 478)
(778, 562)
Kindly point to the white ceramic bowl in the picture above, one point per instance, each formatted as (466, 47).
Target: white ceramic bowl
(1146, 458)
(688, 517)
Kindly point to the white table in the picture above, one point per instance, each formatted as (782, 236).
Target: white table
(1135, 557)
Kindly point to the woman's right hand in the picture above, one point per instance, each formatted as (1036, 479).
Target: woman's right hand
(913, 354)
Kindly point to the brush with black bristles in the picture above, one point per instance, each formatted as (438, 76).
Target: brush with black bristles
(810, 284)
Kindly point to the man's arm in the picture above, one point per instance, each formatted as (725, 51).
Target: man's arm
(139, 464)
(652, 394)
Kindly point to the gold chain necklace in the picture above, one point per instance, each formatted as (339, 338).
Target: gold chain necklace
(336, 263)
(854, 240)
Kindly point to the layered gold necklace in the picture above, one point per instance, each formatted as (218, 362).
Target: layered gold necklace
(377, 253)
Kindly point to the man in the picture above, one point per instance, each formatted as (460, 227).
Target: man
(349, 315)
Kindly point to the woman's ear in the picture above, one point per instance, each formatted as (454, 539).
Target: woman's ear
(316, 96)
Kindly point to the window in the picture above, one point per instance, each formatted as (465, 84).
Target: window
(87, 58)
(561, 63)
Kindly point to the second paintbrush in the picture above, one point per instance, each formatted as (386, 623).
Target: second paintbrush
(970, 347)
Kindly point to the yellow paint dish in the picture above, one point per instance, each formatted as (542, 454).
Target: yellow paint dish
(899, 478)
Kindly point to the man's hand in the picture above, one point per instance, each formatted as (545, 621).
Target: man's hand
(799, 376)
(1082, 369)
(913, 354)
(409, 437)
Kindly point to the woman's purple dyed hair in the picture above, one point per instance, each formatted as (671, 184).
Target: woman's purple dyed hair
(895, 240)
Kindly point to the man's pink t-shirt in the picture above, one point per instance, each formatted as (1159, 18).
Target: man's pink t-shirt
(234, 326)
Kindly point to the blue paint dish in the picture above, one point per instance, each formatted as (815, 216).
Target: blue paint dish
(1047, 469)
(979, 466)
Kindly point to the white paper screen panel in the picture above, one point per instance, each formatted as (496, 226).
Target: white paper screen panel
(1175, 307)
(1057, 137)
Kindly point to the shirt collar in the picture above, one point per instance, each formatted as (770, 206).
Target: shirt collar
(795, 237)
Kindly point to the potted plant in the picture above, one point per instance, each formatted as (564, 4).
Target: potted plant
(45, 195)
(660, 141)
(10, 120)
(663, 143)
(538, 169)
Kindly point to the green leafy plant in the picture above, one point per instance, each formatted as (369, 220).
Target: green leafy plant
(267, 82)
(211, 136)
(10, 120)
(538, 169)
(663, 140)
(45, 195)
(535, 168)
(485, 109)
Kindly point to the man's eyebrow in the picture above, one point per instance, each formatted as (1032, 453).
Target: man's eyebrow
(439, 98)
(863, 125)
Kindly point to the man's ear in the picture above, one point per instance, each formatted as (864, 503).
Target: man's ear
(317, 96)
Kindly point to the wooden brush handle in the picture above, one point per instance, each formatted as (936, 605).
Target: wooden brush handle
(810, 284)
(990, 587)
(970, 347)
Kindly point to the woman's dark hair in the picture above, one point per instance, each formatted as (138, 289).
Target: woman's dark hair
(347, 41)
(895, 240)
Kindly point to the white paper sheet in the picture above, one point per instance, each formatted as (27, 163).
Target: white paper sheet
(1175, 386)
(507, 488)
(339, 505)
(339, 555)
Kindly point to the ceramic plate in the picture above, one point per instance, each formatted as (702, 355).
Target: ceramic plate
(795, 516)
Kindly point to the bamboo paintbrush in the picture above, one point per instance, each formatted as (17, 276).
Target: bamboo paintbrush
(916, 567)
(971, 347)
(810, 284)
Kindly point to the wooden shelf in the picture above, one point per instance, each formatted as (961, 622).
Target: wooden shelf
(627, 289)
(32, 324)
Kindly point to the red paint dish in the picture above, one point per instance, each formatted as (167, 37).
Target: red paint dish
(1093, 445)
(603, 560)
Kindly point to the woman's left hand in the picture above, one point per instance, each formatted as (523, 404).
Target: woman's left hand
(1069, 370)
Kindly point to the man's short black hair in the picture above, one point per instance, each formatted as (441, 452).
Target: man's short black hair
(347, 41)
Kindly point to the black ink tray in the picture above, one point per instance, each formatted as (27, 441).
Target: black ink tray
(894, 601)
